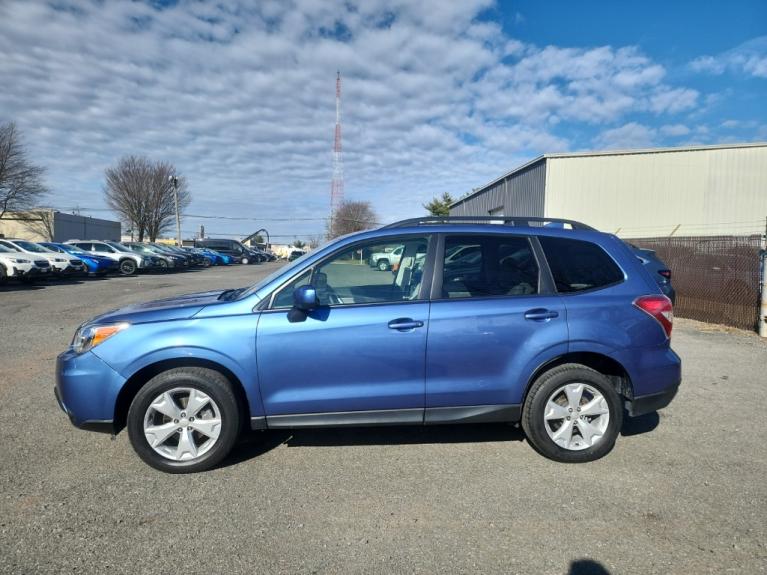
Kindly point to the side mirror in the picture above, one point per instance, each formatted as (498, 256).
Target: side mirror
(305, 298)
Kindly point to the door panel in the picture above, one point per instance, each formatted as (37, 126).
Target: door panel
(480, 351)
(342, 358)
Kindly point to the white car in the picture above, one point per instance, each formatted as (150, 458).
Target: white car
(61, 264)
(385, 260)
(20, 266)
(128, 260)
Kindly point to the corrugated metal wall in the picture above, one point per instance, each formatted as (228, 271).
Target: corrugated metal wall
(519, 194)
(71, 226)
(708, 191)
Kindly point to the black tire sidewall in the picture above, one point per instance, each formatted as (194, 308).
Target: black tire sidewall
(128, 264)
(544, 386)
(210, 382)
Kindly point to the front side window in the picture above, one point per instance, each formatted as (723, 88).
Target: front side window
(485, 266)
(348, 278)
(102, 248)
(578, 265)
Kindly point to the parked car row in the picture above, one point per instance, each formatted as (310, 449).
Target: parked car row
(30, 261)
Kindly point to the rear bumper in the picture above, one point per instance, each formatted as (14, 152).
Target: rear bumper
(650, 403)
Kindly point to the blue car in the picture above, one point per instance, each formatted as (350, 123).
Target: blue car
(97, 265)
(558, 329)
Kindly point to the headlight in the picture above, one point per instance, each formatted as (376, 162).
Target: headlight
(21, 261)
(90, 336)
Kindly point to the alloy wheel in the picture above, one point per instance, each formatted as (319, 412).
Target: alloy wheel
(576, 416)
(182, 424)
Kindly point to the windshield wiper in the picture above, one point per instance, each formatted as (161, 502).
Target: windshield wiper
(230, 294)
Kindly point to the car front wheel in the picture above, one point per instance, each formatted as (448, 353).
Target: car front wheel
(128, 267)
(572, 414)
(184, 420)
(383, 265)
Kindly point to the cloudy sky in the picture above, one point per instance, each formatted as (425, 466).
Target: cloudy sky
(437, 95)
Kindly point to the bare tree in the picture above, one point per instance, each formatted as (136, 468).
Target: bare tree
(126, 191)
(316, 241)
(161, 204)
(21, 182)
(39, 222)
(141, 192)
(351, 217)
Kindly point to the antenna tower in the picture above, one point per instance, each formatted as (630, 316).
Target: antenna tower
(337, 184)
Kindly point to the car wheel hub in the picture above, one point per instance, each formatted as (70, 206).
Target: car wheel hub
(576, 416)
(182, 424)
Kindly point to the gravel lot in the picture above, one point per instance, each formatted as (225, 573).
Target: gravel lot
(683, 492)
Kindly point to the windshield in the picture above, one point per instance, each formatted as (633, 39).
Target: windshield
(119, 247)
(288, 268)
(30, 247)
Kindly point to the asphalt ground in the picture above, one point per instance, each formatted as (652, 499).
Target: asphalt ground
(684, 491)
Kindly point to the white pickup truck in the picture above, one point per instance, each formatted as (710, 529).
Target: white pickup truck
(385, 260)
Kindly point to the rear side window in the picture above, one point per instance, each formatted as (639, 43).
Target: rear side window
(578, 265)
(482, 266)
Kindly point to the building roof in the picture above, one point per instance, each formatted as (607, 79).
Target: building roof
(693, 148)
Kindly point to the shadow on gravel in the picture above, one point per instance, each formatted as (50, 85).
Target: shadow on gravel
(639, 425)
(587, 567)
(256, 443)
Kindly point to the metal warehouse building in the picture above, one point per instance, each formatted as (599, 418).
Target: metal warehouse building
(45, 225)
(697, 190)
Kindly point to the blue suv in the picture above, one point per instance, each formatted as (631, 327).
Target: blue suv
(558, 328)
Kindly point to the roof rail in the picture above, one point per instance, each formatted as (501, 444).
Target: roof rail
(524, 221)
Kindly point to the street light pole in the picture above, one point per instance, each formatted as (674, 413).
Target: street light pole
(174, 182)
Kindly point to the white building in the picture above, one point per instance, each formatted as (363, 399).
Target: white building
(690, 191)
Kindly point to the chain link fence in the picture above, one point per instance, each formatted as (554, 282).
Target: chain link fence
(716, 278)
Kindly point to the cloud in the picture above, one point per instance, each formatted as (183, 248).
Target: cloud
(749, 58)
(240, 97)
(631, 135)
(674, 130)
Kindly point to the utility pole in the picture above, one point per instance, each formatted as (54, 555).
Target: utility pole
(174, 183)
(337, 184)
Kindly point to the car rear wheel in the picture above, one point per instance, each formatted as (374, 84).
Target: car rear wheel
(572, 414)
(128, 267)
(184, 420)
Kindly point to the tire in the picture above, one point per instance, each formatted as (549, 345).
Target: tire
(597, 392)
(244, 261)
(3, 274)
(383, 265)
(206, 263)
(128, 267)
(221, 405)
(163, 266)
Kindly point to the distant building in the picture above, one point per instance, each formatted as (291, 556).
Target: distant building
(46, 225)
(695, 190)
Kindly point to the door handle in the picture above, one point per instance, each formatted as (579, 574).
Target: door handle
(404, 324)
(540, 314)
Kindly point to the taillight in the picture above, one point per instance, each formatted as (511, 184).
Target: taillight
(665, 273)
(660, 308)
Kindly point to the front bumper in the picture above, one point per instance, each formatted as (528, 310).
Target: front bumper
(87, 390)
